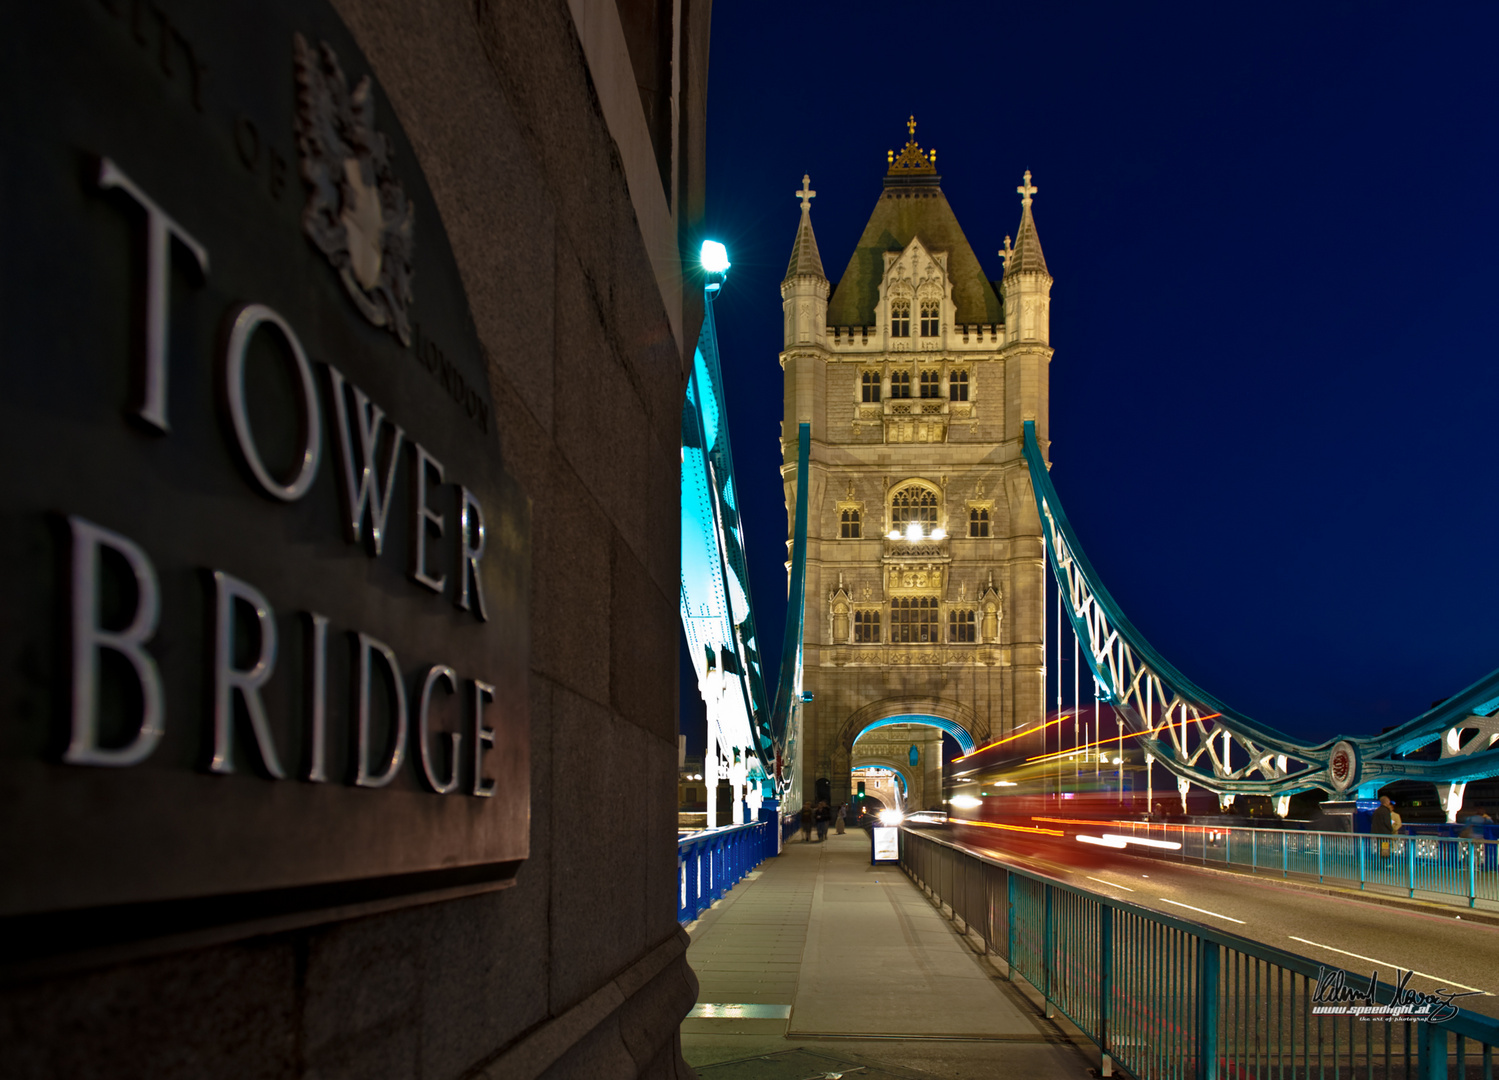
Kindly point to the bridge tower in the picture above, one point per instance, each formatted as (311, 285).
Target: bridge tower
(925, 561)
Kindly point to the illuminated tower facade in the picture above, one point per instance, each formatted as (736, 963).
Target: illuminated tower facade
(916, 372)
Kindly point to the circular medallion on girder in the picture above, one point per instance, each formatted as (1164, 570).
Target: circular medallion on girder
(1342, 765)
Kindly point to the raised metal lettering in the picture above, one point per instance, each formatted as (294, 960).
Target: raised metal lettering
(227, 679)
(435, 674)
(160, 231)
(89, 638)
(317, 698)
(364, 490)
(364, 775)
(246, 321)
(483, 737)
(470, 525)
(421, 516)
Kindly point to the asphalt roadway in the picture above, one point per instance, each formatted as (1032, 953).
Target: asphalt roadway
(1446, 947)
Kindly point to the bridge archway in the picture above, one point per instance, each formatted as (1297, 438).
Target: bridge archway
(922, 780)
(952, 717)
(899, 768)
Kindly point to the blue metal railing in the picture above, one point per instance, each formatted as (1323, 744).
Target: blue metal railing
(1163, 997)
(1433, 866)
(710, 863)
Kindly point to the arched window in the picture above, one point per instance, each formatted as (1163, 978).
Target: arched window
(978, 521)
(957, 386)
(961, 628)
(900, 318)
(931, 384)
(913, 619)
(900, 384)
(870, 386)
(866, 627)
(849, 527)
(914, 503)
(931, 318)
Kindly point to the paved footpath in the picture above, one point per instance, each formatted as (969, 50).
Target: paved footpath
(819, 963)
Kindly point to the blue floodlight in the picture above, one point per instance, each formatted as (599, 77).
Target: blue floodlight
(714, 257)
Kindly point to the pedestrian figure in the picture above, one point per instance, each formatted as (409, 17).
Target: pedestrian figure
(806, 824)
(842, 816)
(1383, 824)
(821, 816)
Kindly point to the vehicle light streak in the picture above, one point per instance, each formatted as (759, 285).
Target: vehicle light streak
(1095, 822)
(1010, 738)
(1103, 742)
(1031, 830)
(1101, 841)
(1169, 845)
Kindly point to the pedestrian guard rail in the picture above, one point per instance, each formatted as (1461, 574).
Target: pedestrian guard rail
(710, 863)
(1432, 865)
(1163, 997)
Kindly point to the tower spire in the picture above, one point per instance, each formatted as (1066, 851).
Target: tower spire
(1026, 255)
(806, 261)
(805, 288)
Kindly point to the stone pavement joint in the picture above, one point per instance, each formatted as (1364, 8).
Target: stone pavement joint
(877, 982)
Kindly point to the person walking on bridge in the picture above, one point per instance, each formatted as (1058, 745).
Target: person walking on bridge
(1383, 824)
(806, 824)
(822, 815)
(842, 816)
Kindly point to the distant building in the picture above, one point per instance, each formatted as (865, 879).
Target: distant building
(925, 564)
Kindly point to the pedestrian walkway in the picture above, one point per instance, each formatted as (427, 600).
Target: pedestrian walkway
(819, 963)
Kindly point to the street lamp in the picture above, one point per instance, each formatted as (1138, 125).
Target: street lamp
(714, 258)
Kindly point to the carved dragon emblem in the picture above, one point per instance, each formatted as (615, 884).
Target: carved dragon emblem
(356, 212)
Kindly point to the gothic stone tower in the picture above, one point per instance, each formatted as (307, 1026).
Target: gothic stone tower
(925, 558)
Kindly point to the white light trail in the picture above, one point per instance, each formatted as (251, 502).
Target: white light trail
(1169, 845)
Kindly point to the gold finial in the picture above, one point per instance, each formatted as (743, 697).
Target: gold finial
(806, 195)
(1026, 190)
(912, 159)
(1007, 252)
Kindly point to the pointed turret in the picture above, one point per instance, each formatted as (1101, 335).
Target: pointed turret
(1026, 287)
(804, 289)
(805, 259)
(1027, 282)
(1026, 255)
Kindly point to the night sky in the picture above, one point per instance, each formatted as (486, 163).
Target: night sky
(1276, 251)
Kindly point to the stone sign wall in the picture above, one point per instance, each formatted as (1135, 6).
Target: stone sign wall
(343, 370)
(264, 587)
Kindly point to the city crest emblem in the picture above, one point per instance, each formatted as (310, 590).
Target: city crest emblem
(356, 213)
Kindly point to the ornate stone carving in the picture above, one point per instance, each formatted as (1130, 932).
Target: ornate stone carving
(356, 212)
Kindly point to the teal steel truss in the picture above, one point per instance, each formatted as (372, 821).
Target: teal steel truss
(1204, 741)
(752, 737)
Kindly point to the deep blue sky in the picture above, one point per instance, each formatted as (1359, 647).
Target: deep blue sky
(1274, 235)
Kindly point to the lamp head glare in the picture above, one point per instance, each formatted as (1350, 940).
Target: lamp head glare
(714, 257)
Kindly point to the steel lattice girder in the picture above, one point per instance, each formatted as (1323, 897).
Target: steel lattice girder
(1203, 740)
(717, 609)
